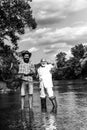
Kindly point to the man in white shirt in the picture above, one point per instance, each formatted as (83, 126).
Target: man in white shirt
(46, 84)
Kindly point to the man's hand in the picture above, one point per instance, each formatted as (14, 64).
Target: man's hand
(19, 76)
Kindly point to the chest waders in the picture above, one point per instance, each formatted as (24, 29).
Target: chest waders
(54, 103)
(43, 104)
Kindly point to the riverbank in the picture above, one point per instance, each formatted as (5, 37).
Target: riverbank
(5, 89)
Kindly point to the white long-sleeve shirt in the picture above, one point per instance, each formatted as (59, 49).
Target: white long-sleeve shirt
(45, 75)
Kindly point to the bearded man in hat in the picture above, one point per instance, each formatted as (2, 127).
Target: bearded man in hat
(26, 71)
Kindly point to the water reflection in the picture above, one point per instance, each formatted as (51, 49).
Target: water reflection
(27, 119)
(71, 111)
(42, 121)
(49, 121)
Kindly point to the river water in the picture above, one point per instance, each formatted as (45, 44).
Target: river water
(71, 111)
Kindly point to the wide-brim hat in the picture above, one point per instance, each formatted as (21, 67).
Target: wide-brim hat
(43, 60)
(26, 52)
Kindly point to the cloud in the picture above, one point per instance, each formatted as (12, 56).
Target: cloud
(33, 49)
(35, 36)
(42, 30)
(48, 51)
(78, 5)
(85, 44)
(80, 23)
(68, 54)
(54, 49)
(52, 12)
(62, 35)
(26, 39)
(50, 36)
(58, 47)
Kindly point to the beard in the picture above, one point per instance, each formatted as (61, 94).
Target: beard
(26, 60)
(43, 65)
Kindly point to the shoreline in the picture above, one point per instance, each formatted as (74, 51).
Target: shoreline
(56, 83)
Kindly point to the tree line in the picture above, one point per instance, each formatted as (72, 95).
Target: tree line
(71, 68)
(66, 68)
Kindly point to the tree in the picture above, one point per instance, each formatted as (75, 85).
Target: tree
(72, 68)
(80, 55)
(7, 60)
(61, 59)
(78, 51)
(15, 16)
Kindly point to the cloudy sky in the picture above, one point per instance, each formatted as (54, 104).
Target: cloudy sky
(61, 25)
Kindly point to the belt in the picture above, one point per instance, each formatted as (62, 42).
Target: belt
(26, 75)
(31, 74)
